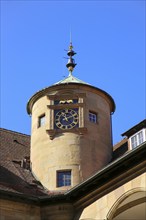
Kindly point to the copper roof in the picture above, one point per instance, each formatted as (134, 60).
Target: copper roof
(70, 79)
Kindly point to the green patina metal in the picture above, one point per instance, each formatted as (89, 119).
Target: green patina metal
(70, 79)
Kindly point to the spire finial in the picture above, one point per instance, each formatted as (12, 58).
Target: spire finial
(70, 36)
(71, 62)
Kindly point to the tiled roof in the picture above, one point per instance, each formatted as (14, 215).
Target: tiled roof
(120, 148)
(15, 174)
(16, 179)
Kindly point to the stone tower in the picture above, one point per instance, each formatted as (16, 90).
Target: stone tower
(71, 135)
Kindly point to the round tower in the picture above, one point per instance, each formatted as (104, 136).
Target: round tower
(71, 135)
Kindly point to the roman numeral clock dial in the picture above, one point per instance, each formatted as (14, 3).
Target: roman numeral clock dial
(66, 119)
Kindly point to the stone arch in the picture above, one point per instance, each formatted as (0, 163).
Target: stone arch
(131, 205)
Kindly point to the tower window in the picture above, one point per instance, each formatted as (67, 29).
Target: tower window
(92, 117)
(41, 120)
(137, 139)
(63, 178)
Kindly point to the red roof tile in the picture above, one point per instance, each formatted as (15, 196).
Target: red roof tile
(15, 176)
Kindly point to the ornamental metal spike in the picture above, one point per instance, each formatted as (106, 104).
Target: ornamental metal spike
(71, 62)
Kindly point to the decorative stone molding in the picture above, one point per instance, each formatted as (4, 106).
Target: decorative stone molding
(53, 132)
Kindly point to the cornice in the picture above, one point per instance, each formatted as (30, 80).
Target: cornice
(45, 91)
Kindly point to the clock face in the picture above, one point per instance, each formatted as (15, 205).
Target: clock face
(66, 118)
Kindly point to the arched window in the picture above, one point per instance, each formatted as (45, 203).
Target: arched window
(131, 205)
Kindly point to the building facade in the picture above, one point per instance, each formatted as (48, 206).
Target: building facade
(68, 168)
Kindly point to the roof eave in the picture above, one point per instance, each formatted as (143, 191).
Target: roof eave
(42, 92)
(135, 128)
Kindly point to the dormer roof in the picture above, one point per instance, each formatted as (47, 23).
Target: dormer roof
(135, 129)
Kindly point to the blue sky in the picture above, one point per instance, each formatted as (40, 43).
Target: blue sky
(108, 36)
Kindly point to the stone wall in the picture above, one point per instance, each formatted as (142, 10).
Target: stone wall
(104, 207)
(83, 154)
(10, 210)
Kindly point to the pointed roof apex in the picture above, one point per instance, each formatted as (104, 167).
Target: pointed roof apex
(70, 65)
(71, 79)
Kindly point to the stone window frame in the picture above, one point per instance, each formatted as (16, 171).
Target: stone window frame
(93, 116)
(65, 178)
(41, 120)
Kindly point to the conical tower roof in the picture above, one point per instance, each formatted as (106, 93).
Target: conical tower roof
(70, 79)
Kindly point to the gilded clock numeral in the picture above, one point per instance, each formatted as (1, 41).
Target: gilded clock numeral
(62, 126)
(75, 121)
(66, 119)
(72, 112)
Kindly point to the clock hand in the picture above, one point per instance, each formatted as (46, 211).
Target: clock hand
(68, 117)
(74, 115)
(65, 118)
(64, 115)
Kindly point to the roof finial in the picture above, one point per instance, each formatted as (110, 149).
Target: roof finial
(70, 35)
(71, 62)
